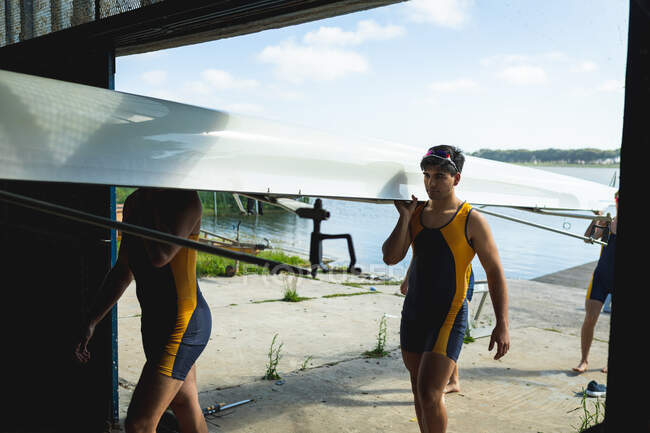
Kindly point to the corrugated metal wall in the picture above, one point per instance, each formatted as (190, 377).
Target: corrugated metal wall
(21, 20)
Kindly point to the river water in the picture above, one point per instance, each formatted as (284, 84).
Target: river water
(526, 252)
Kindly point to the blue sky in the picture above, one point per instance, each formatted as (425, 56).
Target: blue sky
(475, 74)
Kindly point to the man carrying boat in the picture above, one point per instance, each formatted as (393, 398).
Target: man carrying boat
(445, 233)
(176, 321)
(601, 285)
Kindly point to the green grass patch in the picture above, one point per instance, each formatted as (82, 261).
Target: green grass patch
(303, 366)
(468, 337)
(590, 416)
(297, 299)
(380, 347)
(355, 285)
(380, 283)
(293, 297)
(210, 265)
(274, 359)
(338, 295)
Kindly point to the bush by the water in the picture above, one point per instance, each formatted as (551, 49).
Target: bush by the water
(209, 265)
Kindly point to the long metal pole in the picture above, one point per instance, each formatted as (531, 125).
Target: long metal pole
(144, 232)
(543, 227)
(606, 218)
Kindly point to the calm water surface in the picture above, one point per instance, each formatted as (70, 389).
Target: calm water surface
(526, 252)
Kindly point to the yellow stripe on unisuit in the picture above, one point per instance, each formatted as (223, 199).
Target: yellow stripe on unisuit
(454, 235)
(183, 268)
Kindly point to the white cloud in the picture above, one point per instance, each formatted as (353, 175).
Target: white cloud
(521, 59)
(585, 66)
(503, 59)
(555, 56)
(244, 108)
(297, 63)
(222, 80)
(523, 75)
(453, 85)
(154, 78)
(445, 13)
(367, 30)
(611, 86)
(324, 54)
(197, 87)
(278, 92)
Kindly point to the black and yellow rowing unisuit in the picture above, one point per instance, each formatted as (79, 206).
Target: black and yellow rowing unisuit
(434, 315)
(602, 281)
(176, 320)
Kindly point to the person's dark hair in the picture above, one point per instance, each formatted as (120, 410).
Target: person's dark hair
(433, 158)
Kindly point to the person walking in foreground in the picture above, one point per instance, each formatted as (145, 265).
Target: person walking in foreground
(602, 284)
(176, 321)
(445, 234)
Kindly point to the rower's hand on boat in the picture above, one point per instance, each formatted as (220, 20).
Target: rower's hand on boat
(81, 353)
(405, 207)
(501, 338)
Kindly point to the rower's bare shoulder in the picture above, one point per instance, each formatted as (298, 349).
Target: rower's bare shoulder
(476, 218)
(477, 226)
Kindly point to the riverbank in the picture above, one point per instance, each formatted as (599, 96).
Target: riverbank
(328, 385)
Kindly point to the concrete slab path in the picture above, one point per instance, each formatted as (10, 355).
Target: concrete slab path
(328, 385)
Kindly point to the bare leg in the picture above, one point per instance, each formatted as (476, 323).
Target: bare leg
(434, 374)
(412, 363)
(186, 406)
(454, 382)
(592, 311)
(153, 394)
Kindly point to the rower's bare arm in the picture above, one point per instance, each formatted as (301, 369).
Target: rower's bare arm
(404, 287)
(396, 246)
(117, 279)
(487, 252)
(596, 229)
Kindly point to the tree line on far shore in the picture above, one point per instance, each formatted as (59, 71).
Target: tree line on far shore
(565, 156)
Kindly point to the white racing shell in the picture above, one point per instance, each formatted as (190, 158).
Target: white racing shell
(57, 131)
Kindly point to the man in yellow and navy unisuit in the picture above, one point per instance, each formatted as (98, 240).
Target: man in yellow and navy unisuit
(444, 233)
(176, 321)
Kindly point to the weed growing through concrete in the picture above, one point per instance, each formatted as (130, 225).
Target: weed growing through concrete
(590, 416)
(290, 290)
(468, 336)
(303, 366)
(379, 351)
(274, 360)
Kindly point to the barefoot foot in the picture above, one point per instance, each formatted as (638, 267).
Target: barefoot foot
(452, 387)
(581, 368)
